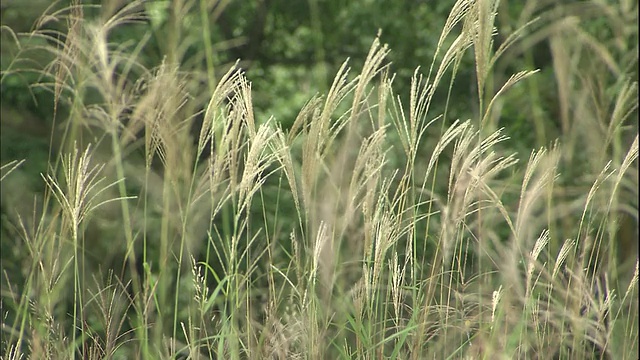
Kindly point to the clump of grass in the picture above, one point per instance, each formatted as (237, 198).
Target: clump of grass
(354, 234)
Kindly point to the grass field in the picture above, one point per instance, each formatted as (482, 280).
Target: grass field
(372, 228)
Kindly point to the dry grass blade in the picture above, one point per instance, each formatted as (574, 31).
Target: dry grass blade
(9, 167)
(80, 186)
(514, 79)
(481, 22)
(540, 244)
(227, 85)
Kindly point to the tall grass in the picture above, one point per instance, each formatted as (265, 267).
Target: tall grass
(367, 230)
